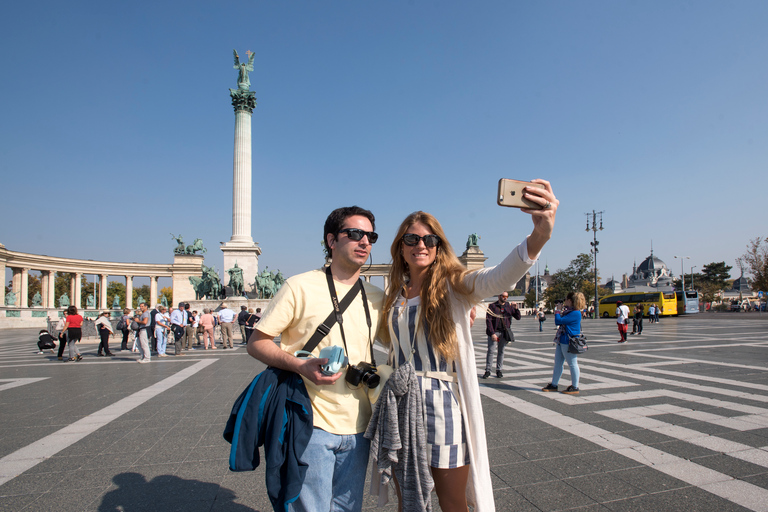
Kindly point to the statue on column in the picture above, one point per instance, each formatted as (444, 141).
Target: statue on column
(37, 300)
(64, 301)
(197, 245)
(472, 240)
(10, 299)
(243, 83)
(179, 249)
(236, 280)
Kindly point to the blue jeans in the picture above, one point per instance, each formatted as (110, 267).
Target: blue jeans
(162, 340)
(561, 357)
(336, 474)
(496, 347)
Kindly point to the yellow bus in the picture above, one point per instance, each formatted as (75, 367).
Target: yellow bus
(667, 301)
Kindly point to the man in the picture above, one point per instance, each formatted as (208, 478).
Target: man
(242, 318)
(151, 332)
(161, 330)
(226, 319)
(144, 325)
(190, 329)
(337, 454)
(497, 320)
(178, 322)
(622, 319)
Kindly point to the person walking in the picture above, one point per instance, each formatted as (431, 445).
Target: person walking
(498, 328)
(637, 321)
(540, 316)
(74, 327)
(126, 330)
(622, 320)
(143, 322)
(161, 330)
(427, 326)
(569, 322)
(105, 330)
(207, 322)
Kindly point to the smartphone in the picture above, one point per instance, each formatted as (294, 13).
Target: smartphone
(511, 194)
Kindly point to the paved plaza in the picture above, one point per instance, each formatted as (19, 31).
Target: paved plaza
(675, 419)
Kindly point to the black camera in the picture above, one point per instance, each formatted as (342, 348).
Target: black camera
(364, 373)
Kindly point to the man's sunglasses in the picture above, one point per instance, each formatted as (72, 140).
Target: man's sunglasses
(412, 239)
(356, 235)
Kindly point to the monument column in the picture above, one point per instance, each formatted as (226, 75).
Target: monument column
(77, 296)
(241, 248)
(51, 290)
(129, 292)
(24, 288)
(152, 291)
(103, 291)
(16, 286)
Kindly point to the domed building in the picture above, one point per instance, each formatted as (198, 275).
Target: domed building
(651, 272)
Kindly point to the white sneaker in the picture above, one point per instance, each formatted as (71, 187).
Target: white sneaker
(40, 352)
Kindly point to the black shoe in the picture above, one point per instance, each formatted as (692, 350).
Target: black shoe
(549, 387)
(79, 357)
(486, 374)
(99, 355)
(571, 391)
(499, 374)
(110, 354)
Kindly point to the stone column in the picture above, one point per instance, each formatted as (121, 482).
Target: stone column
(241, 248)
(152, 291)
(24, 288)
(51, 290)
(129, 292)
(77, 298)
(44, 277)
(72, 291)
(16, 285)
(103, 291)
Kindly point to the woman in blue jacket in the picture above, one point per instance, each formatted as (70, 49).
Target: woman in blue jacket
(569, 322)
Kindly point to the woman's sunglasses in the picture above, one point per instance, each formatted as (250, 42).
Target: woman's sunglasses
(356, 235)
(411, 239)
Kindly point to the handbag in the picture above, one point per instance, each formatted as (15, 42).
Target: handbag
(577, 344)
(508, 334)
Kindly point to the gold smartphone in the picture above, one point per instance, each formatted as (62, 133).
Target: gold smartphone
(511, 194)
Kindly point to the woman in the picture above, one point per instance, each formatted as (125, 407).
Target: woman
(569, 322)
(162, 327)
(126, 329)
(105, 330)
(250, 324)
(207, 321)
(637, 324)
(74, 328)
(429, 301)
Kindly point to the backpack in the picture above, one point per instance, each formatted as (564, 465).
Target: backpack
(121, 324)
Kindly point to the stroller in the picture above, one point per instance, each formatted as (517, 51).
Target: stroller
(45, 341)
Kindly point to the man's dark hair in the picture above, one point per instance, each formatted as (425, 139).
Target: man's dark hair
(335, 221)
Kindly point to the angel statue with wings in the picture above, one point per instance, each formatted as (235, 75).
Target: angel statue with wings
(242, 78)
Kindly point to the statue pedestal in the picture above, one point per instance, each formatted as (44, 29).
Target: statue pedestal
(246, 255)
(184, 267)
(473, 258)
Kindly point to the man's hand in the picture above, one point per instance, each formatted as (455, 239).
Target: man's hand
(494, 337)
(310, 368)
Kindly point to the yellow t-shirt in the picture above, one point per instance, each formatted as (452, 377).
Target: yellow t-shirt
(300, 306)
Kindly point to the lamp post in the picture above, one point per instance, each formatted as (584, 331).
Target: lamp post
(594, 243)
(682, 272)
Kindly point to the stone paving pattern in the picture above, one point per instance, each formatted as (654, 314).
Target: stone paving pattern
(674, 419)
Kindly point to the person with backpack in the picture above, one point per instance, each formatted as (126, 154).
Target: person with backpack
(124, 327)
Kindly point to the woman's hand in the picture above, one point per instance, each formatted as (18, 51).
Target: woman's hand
(544, 219)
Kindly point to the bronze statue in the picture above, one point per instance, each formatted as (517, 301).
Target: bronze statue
(243, 83)
(64, 301)
(37, 300)
(197, 245)
(90, 302)
(10, 299)
(472, 240)
(236, 280)
(179, 249)
(139, 300)
(164, 302)
(116, 302)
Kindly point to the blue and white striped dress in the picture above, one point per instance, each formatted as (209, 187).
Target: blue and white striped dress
(446, 439)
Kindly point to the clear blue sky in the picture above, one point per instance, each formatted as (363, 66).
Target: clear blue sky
(117, 128)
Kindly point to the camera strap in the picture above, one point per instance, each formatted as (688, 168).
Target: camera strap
(336, 316)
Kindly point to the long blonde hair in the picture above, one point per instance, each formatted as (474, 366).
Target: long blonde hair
(445, 271)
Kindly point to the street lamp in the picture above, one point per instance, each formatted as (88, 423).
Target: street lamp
(682, 272)
(594, 243)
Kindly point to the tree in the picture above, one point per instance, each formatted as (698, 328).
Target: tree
(755, 262)
(115, 288)
(713, 279)
(167, 291)
(577, 277)
(34, 285)
(144, 292)
(61, 286)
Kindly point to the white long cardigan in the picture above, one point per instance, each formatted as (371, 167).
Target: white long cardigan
(487, 282)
